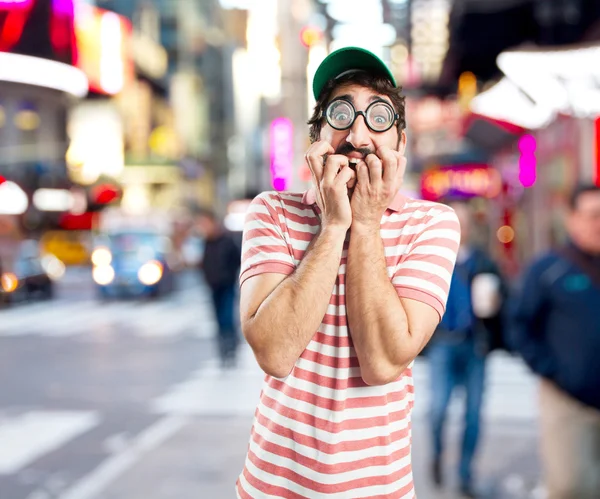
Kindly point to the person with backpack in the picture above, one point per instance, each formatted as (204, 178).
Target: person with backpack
(471, 327)
(556, 329)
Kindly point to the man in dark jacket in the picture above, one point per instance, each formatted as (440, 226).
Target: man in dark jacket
(221, 266)
(471, 327)
(557, 332)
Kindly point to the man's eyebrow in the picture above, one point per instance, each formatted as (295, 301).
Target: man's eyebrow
(347, 97)
(373, 98)
(378, 98)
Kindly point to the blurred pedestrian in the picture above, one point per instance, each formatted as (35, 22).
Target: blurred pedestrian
(471, 327)
(220, 264)
(557, 331)
(341, 288)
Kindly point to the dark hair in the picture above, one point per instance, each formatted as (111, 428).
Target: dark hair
(579, 191)
(377, 83)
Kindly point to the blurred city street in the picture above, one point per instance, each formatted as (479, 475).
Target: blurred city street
(126, 399)
(156, 155)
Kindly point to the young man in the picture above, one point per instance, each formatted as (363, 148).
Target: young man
(457, 353)
(557, 331)
(341, 288)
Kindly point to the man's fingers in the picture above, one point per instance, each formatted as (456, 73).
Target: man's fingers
(390, 164)
(362, 173)
(333, 165)
(345, 176)
(314, 157)
(375, 170)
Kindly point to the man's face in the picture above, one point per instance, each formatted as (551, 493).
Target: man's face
(358, 141)
(583, 223)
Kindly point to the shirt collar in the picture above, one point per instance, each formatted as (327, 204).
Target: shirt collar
(397, 203)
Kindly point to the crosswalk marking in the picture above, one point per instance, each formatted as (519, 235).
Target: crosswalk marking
(178, 315)
(93, 485)
(29, 436)
(510, 395)
(212, 391)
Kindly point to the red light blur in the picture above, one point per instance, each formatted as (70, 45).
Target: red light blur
(105, 194)
(69, 221)
(62, 27)
(11, 31)
(19, 20)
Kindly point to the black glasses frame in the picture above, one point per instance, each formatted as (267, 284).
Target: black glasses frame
(363, 113)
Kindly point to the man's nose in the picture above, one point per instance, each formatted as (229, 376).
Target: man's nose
(359, 135)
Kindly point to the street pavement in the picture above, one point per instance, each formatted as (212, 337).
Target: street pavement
(125, 400)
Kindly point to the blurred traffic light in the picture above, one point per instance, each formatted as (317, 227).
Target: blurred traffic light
(309, 36)
(104, 194)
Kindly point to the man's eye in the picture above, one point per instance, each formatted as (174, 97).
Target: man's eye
(341, 117)
(380, 120)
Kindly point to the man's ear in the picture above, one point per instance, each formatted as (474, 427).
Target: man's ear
(402, 142)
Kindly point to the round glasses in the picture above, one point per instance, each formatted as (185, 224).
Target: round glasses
(379, 115)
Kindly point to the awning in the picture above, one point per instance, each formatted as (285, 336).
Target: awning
(490, 134)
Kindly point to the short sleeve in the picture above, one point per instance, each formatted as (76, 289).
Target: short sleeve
(264, 248)
(424, 274)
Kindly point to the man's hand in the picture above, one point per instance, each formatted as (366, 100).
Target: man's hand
(332, 180)
(378, 179)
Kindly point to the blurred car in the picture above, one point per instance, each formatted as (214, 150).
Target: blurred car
(29, 275)
(132, 263)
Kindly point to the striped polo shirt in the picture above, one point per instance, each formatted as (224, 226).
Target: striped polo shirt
(321, 432)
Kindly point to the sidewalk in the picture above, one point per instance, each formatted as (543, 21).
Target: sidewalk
(202, 459)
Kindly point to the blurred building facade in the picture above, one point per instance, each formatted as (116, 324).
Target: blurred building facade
(39, 83)
(161, 105)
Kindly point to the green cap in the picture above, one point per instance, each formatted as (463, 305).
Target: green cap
(347, 59)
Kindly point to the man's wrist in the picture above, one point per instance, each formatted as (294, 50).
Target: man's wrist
(334, 231)
(365, 229)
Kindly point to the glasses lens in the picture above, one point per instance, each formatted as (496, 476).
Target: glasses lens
(340, 114)
(380, 116)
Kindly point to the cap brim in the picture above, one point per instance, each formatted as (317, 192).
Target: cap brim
(348, 59)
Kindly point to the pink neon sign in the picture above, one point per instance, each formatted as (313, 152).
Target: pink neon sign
(281, 152)
(15, 3)
(527, 161)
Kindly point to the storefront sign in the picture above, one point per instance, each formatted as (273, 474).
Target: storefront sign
(461, 181)
(103, 41)
(38, 28)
